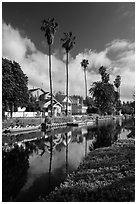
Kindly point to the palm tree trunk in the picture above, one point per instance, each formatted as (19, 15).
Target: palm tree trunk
(67, 84)
(85, 84)
(50, 77)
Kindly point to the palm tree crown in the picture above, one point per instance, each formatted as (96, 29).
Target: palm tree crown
(68, 41)
(49, 27)
(84, 63)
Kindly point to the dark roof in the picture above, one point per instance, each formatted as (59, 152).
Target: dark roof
(55, 101)
(32, 90)
(74, 98)
(60, 98)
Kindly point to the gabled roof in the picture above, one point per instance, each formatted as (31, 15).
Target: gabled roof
(47, 102)
(32, 90)
(60, 98)
(65, 99)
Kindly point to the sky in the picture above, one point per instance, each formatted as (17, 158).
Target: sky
(105, 36)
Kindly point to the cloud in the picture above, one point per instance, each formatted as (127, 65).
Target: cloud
(118, 56)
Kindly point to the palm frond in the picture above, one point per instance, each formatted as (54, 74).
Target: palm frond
(68, 41)
(49, 27)
(84, 63)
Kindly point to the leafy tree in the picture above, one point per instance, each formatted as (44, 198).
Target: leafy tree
(14, 85)
(104, 96)
(58, 93)
(84, 64)
(128, 108)
(68, 44)
(49, 27)
(103, 93)
(33, 104)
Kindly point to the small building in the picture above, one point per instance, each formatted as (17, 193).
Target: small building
(62, 99)
(77, 103)
(44, 100)
(37, 92)
(45, 104)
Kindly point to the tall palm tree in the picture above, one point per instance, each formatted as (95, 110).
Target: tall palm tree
(49, 28)
(68, 44)
(84, 64)
(117, 83)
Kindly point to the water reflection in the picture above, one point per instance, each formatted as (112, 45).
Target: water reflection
(50, 157)
(50, 163)
(15, 164)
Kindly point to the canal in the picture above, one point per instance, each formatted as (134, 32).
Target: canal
(35, 163)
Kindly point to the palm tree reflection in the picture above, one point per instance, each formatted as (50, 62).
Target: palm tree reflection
(66, 137)
(50, 163)
(66, 141)
(53, 141)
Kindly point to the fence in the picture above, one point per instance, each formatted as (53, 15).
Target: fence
(22, 114)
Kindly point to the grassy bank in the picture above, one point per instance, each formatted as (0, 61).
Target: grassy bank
(106, 175)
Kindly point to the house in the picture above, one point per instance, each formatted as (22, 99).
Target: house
(75, 104)
(45, 104)
(37, 92)
(44, 100)
(62, 99)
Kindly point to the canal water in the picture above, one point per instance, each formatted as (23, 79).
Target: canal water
(34, 164)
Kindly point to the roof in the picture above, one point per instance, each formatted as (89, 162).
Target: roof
(47, 102)
(32, 90)
(60, 98)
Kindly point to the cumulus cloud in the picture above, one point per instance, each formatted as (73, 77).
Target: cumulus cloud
(118, 56)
